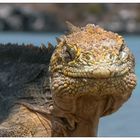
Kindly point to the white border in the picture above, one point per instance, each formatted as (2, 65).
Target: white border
(69, 1)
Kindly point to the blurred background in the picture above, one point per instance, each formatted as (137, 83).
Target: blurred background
(41, 23)
(124, 18)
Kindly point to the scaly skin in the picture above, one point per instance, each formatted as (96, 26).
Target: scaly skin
(24, 90)
(23, 122)
(92, 75)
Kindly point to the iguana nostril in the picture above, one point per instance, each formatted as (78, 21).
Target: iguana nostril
(87, 57)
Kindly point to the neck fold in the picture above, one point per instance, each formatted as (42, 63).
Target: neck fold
(76, 116)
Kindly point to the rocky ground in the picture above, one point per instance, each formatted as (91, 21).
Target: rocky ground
(124, 18)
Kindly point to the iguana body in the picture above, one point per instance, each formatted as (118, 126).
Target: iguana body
(91, 75)
(24, 79)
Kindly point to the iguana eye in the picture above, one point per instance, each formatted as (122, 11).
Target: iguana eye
(69, 53)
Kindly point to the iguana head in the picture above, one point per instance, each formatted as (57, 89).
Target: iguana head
(90, 53)
(92, 75)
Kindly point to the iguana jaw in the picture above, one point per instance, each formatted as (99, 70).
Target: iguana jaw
(96, 71)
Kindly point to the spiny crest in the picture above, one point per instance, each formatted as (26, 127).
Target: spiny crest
(50, 45)
(72, 28)
(43, 46)
(58, 40)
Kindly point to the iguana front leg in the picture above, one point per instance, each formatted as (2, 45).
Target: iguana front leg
(23, 122)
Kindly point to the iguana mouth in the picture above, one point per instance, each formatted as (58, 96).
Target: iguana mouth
(96, 71)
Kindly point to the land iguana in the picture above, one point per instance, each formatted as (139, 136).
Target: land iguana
(64, 90)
